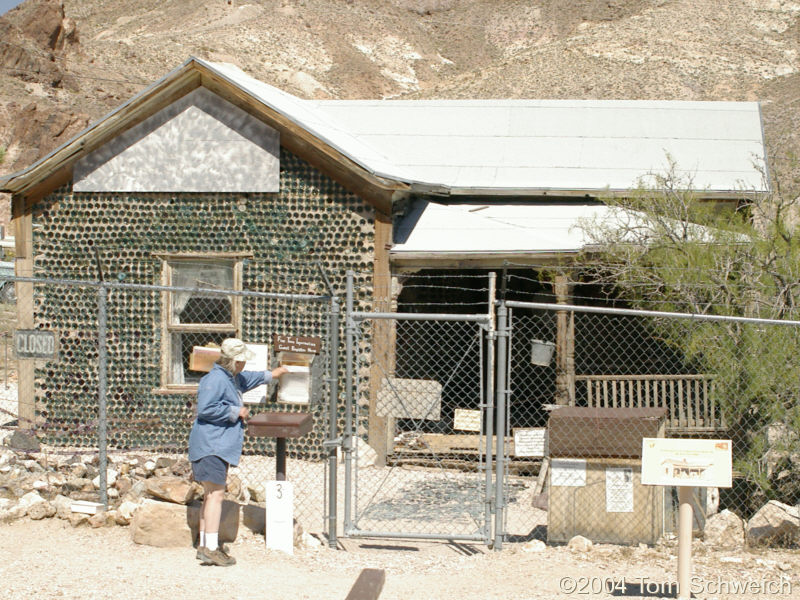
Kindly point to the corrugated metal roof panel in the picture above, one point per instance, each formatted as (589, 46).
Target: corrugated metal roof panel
(533, 144)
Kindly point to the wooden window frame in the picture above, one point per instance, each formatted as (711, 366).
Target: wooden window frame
(167, 326)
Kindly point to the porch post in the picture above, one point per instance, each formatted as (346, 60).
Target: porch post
(565, 343)
(381, 429)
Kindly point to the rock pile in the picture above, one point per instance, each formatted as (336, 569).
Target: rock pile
(155, 496)
(40, 485)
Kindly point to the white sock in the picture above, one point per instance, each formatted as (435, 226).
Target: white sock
(212, 541)
(202, 539)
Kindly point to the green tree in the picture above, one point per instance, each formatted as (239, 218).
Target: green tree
(667, 249)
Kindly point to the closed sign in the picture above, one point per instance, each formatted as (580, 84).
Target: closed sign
(34, 343)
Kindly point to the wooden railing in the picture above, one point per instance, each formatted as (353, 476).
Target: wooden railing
(689, 399)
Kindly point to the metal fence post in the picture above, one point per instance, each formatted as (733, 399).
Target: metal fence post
(102, 367)
(347, 440)
(488, 407)
(332, 419)
(500, 453)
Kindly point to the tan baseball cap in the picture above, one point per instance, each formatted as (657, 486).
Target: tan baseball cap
(236, 349)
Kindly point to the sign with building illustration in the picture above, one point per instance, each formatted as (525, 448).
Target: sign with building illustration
(686, 462)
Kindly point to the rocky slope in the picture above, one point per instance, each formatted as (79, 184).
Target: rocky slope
(65, 64)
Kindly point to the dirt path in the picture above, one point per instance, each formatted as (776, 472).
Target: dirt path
(49, 559)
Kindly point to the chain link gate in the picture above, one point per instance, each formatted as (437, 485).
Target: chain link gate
(420, 375)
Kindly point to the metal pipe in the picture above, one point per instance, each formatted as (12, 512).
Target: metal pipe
(499, 507)
(632, 312)
(355, 533)
(488, 409)
(102, 369)
(360, 316)
(280, 459)
(347, 439)
(167, 288)
(333, 413)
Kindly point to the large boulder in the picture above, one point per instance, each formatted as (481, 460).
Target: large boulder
(776, 524)
(724, 530)
(171, 488)
(161, 524)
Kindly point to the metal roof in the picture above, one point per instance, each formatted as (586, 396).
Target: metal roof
(498, 147)
(471, 146)
(560, 144)
(467, 230)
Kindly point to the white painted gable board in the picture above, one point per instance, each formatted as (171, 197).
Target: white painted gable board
(200, 143)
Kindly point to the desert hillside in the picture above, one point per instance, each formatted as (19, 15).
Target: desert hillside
(65, 64)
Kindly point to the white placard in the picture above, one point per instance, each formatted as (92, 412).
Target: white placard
(568, 472)
(258, 363)
(619, 489)
(295, 385)
(687, 462)
(280, 516)
(465, 419)
(530, 442)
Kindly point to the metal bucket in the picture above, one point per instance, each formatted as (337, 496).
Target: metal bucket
(542, 353)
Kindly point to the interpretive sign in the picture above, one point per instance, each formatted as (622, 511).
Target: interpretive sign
(569, 472)
(465, 419)
(530, 442)
(260, 362)
(619, 489)
(686, 462)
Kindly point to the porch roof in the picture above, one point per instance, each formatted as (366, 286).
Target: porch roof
(431, 231)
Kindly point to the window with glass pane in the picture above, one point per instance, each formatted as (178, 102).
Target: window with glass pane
(196, 318)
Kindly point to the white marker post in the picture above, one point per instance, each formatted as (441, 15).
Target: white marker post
(280, 516)
(686, 464)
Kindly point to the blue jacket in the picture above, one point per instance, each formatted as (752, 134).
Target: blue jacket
(218, 430)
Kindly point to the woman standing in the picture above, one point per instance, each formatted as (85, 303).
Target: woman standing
(215, 442)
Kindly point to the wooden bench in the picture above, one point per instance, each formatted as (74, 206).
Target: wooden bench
(689, 399)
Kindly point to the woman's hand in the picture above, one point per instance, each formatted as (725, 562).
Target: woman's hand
(279, 371)
(244, 412)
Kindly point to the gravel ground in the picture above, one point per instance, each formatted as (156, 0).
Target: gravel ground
(50, 559)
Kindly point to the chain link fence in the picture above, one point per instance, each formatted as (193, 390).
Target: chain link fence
(635, 374)
(425, 394)
(107, 366)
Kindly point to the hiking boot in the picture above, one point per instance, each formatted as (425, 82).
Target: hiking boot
(222, 547)
(215, 557)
